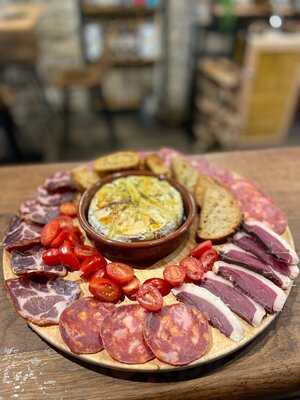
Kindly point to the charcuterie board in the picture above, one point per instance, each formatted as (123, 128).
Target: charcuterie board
(220, 345)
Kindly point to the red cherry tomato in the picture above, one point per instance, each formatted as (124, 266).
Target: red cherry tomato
(60, 238)
(75, 236)
(174, 275)
(65, 221)
(105, 289)
(193, 268)
(150, 298)
(208, 258)
(68, 258)
(91, 265)
(120, 273)
(100, 273)
(51, 257)
(201, 248)
(85, 251)
(131, 288)
(69, 209)
(49, 232)
(162, 285)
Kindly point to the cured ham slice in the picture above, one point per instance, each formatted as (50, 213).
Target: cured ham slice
(215, 310)
(238, 302)
(30, 263)
(256, 247)
(32, 210)
(178, 334)
(276, 245)
(235, 255)
(260, 289)
(122, 335)
(59, 181)
(80, 324)
(48, 199)
(42, 303)
(21, 234)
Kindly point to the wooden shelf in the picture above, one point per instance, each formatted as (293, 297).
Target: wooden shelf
(248, 11)
(120, 106)
(133, 62)
(97, 11)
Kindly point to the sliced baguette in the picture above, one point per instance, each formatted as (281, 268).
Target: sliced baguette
(119, 161)
(184, 172)
(220, 214)
(84, 177)
(156, 165)
(203, 183)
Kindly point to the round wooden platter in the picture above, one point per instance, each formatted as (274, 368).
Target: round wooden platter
(221, 345)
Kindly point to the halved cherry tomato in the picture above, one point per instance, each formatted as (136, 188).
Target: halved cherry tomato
(105, 289)
(208, 258)
(201, 248)
(60, 238)
(120, 273)
(100, 273)
(161, 284)
(91, 265)
(174, 274)
(84, 251)
(65, 221)
(193, 268)
(68, 258)
(75, 236)
(131, 288)
(69, 209)
(49, 232)
(150, 298)
(51, 257)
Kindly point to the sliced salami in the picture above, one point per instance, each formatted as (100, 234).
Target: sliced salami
(178, 334)
(54, 199)
(32, 210)
(122, 335)
(80, 324)
(61, 180)
(21, 234)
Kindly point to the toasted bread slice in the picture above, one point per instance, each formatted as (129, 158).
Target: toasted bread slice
(220, 214)
(84, 177)
(203, 183)
(156, 165)
(184, 172)
(119, 161)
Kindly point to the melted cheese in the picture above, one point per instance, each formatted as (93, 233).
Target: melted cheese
(136, 208)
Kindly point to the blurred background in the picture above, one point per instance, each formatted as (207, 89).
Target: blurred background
(82, 78)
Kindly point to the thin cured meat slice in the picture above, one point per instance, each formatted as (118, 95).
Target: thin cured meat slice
(42, 302)
(178, 334)
(238, 302)
(29, 262)
(215, 310)
(61, 180)
(260, 289)
(32, 210)
(21, 234)
(48, 199)
(80, 324)
(122, 335)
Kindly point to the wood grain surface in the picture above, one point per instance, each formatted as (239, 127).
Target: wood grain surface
(268, 368)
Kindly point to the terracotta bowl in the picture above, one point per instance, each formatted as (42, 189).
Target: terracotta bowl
(144, 251)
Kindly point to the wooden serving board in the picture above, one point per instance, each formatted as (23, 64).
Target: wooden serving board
(221, 345)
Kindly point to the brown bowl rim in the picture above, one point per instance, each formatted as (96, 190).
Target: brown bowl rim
(187, 198)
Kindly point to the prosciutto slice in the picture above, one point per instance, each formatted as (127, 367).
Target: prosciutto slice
(21, 234)
(215, 310)
(32, 210)
(30, 263)
(238, 302)
(260, 289)
(42, 303)
(61, 180)
(276, 245)
(235, 255)
(256, 247)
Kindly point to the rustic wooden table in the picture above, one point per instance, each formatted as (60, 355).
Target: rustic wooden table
(269, 368)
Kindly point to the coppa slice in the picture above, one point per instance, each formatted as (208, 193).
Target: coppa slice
(237, 301)
(178, 334)
(279, 247)
(42, 303)
(217, 312)
(21, 234)
(260, 289)
(80, 324)
(122, 335)
(59, 181)
(235, 255)
(32, 210)
(54, 199)
(30, 263)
